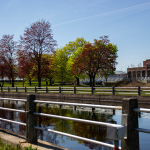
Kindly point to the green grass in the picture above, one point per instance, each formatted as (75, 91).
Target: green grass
(6, 146)
(35, 84)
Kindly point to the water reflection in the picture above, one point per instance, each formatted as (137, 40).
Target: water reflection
(76, 128)
(94, 132)
(15, 116)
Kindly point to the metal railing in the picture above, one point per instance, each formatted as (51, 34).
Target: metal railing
(142, 110)
(77, 137)
(14, 110)
(114, 132)
(78, 104)
(31, 107)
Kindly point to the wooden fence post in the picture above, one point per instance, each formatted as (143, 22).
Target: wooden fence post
(25, 89)
(74, 90)
(139, 91)
(31, 134)
(92, 90)
(114, 111)
(113, 90)
(46, 89)
(35, 90)
(132, 141)
(59, 89)
(16, 89)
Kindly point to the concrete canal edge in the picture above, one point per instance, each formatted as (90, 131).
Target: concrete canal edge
(79, 98)
(14, 139)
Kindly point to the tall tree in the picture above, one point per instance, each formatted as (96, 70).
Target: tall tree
(61, 63)
(110, 54)
(48, 67)
(99, 57)
(2, 72)
(38, 40)
(8, 56)
(73, 49)
(71, 60)
(25, 64)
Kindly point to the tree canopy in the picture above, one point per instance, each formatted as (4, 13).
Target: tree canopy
(99, 57)
(34, 57)
(37, 40)
(8, 57)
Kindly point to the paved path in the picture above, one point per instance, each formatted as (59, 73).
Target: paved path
(13, 138)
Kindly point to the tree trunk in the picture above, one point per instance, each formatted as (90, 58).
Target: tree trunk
(46, 83)
(39, 81)
(78, 80)
(23, 82)
(106, 78)
(30, 82)
(93, 83)
(39, 71)
(2, 81)
(12, 82)
(90, 80)
(50, 83)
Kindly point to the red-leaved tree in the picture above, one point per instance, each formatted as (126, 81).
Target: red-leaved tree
(8, 56)
(99, 57)
(25, 64)
(38, 39)
(2, 72)
(48, 67)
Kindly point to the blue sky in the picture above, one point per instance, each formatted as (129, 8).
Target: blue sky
(126, 22)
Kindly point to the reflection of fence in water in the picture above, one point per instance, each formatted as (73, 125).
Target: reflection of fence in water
(14, 116)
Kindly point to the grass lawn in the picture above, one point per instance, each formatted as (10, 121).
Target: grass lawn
(35, 84)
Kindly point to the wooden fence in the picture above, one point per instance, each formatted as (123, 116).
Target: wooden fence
(140, 91)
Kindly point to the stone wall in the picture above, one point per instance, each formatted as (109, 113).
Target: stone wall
(80, 98)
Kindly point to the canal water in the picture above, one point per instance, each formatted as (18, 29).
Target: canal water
(80, 129)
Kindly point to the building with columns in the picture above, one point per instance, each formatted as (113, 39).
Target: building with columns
(139, 72)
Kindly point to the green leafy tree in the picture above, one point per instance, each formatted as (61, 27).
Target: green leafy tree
(65, 58)
(61, 59)
(72, 46)
(74, 49)
(49, 67)
(97, 58)
(71, 61)
(108, 68)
